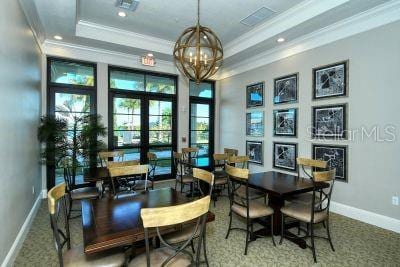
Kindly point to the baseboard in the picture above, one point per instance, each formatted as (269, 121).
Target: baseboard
(19, 240)
(44, 193)
(382, 221)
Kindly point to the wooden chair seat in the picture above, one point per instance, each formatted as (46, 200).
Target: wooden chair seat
(220, 180)
(256, 210)
(75, 257)
(253, 193)
(304, 199)
(303, 213)
(85, 193)
(158, 256)
(182, 235)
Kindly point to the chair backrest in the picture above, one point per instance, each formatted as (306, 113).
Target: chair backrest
(57, 205)
(177, 157)
(190, 153)
(231, 152)
(152, 158)
(239, 161)
(133, 170)
(113, 164)
(219, 161)
(172, 215)
(322, 196)
(307, 166)
(117, 155)
(238, 177)
(206, 176)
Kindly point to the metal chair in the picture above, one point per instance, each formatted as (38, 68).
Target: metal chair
(315, 212)
(181, 177)
(153, 161)
(246, 208)
(221, 178)
(57, 205)
(231, 152)
(131, 171)
(116, 155)
(127, 182)
(170, 255)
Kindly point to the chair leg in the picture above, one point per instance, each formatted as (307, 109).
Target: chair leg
(230, 224)
(329, 235)
(192, 245)
(247, 236)
(282, 228)
(272, 230)
(176, 184)
(70, 209)
(181, 187)
(312, 242)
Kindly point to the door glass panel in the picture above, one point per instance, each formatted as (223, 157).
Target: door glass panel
(126, 80)
(199, 130)
(158, 84)
(126, 121)
(200, 124)
(164, 155)
(71, 73)
(132, 154)
(200, 110)
(200, 90)
(160, 122)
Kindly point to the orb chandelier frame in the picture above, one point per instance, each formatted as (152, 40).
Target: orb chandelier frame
(198, 52)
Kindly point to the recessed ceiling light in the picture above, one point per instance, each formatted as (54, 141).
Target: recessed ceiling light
(58, 37)
(150, 55)
(216, 67)
(122, 14)
(280, 40)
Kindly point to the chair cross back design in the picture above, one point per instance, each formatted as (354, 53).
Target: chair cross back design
(189, 153)
(231, 152)
(203, 175)
(170, 255)
(239, 161)
(129, 171)
(313, 164)
(117, 155)
(153, 161)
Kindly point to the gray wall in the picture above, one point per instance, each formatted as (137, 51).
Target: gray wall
(19, 118)
(374, 95)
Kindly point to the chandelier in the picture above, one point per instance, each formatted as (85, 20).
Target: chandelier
(198, 51)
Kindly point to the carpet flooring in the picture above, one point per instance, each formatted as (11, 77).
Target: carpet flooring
(356, 244)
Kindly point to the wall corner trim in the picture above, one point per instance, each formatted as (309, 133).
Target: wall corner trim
(44, 193)
(381, 221)
(20, 238)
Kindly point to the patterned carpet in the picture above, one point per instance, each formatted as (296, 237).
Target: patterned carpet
(356, 244)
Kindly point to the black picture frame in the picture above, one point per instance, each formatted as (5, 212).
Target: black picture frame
(253, 92)
(255, 151)
(286, 89)
(329, 122)
(331, 80)
(285, 122)
(284, 156)
(336, 156)
(257, 130)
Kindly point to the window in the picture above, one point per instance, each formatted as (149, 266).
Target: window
(201, 124)
(143, 118)
(71, 94)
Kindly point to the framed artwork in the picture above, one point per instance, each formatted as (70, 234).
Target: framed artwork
(336, 156)
(255, 95)
(285, 89)
(284, 156)
(254, 149)
(285, 122)
(329, 122)
(255, 123)
(330, 81)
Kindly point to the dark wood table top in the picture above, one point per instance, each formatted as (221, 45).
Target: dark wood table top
(109, 222)
(280, 184)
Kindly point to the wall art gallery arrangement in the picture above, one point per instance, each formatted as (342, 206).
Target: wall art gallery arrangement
(328, 122)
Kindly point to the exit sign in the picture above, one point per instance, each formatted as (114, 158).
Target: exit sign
(148, 61)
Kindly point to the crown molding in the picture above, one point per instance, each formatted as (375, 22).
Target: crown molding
(117, 36)
(292, 17)
(74, 51)
(29, 9)
(370, 19)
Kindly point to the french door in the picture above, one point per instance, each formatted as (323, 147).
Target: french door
(144, 123)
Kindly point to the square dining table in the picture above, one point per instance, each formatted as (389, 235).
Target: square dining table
(108, 222)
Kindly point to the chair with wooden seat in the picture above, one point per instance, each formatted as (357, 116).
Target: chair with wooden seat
(220, 176)
(105, 156)
(231, 152)
(168, 254)
(305, 167)
(245, 207)
(125, 182)
(189, 153)
(243, 163)
(315, 212)
(75, 256)
(153, 161)
(181, 177)
(141, 171)
(179, 236)
(78, 192)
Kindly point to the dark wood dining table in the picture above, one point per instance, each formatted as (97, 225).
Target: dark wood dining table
(95, 174)
(279, 187)
(109, 222)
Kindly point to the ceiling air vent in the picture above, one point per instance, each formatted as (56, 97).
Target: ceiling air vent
(127, 4)
(258, 16)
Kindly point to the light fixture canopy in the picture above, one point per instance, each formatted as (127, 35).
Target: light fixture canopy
(198, 52)
(122, 14)
(280, 40)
